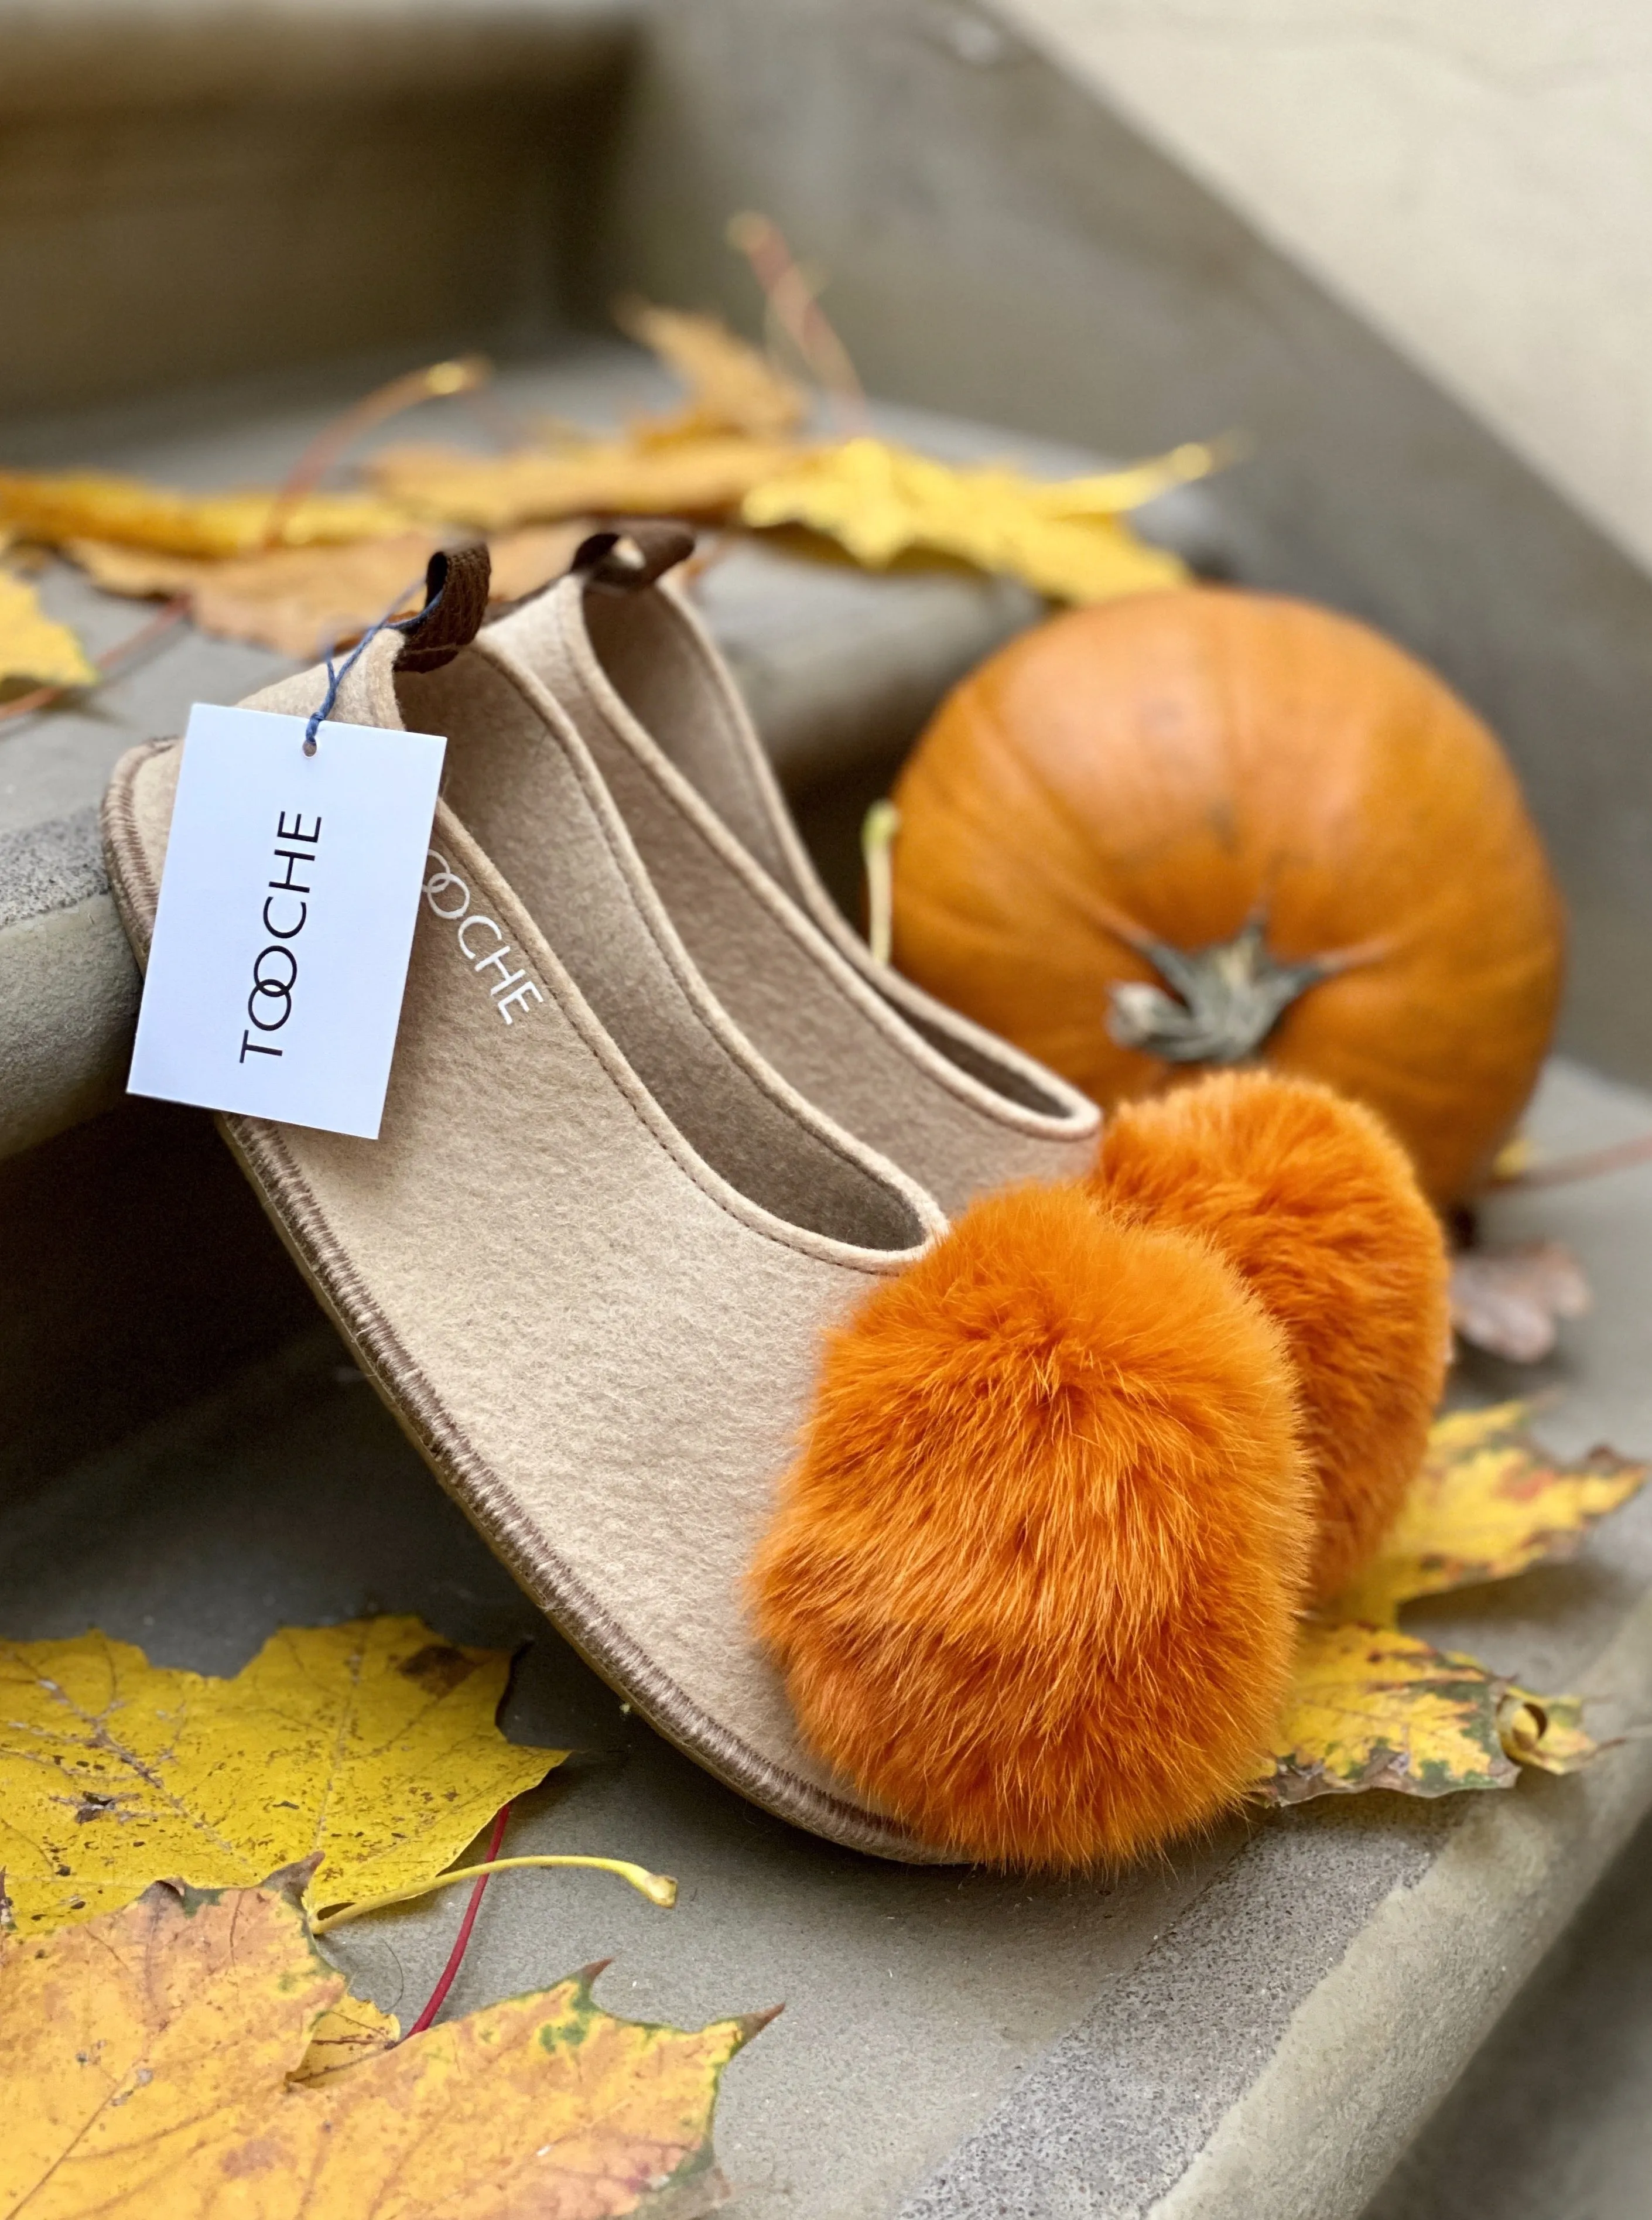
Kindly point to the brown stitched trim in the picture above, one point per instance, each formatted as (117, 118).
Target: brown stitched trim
(302, 1224)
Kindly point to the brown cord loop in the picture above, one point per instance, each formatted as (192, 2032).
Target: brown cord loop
(456, 603)
(639, 556)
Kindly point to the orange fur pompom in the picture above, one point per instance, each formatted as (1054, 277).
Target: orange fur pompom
(1032, 1583)
(1319, 1212)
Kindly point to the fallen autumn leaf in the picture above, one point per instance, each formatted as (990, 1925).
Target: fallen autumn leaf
(703, 476)
(54, 506)
(1067, 538)
(372, 1743)
(732, 387)
(1489, 1502)
(347, 2033)
(34, 646)
(305, 600)
(164, 2059)
(1374, 1708)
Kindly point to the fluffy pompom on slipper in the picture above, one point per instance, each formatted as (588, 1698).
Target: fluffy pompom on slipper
(1318, 1209)
(1032, 1583)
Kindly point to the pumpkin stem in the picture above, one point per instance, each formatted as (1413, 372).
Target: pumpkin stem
(1226, 999)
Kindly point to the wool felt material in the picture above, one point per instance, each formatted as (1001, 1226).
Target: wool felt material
(602, 1331)
(521, 780)
(654, 704)
(1034, 1579)
(1317, 1208)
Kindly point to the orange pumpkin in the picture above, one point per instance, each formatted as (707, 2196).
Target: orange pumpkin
(1195, 828)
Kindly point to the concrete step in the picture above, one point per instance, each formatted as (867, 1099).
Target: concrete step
(201, 189)
(323, 191)
(1553, 2119)
(1257, 2024)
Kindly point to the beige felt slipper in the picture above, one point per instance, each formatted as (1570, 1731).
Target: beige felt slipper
(589, 1260)
(959, 1109)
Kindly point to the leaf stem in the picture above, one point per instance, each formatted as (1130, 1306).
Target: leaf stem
(794, 305)
(658, 1888)
(437, 380)
(461, 1941)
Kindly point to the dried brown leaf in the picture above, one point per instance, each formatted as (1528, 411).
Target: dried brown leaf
(1509, 1302)
(303, 601)
(689, 476)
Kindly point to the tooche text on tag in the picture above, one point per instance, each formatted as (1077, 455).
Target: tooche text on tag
(275, 990)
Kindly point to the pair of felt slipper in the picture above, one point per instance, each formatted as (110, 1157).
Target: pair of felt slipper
(659, 1132)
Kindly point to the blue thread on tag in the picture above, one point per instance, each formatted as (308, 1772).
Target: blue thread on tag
(335, 678)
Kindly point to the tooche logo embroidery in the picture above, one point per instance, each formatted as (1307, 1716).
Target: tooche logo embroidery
(512, 987)
(286, 908)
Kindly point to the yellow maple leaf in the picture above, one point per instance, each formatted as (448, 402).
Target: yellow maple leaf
(154, 2061)
(733, 386)
(1067, 539)
(303, 601)
(33, 645)
(1374, 1708)
(702, 475)
(57, 506)
(1488, 1503)
(372, 1743)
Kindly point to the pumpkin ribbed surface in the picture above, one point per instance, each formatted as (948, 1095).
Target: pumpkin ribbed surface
(1168, 770)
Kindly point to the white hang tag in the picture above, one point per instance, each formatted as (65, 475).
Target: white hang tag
(286, 916)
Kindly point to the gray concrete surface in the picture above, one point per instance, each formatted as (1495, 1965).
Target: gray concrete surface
(1257, 2024)
(192, 188)
(1553, 2120)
